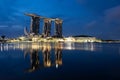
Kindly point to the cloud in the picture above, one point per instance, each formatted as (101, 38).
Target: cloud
(11, 30)
(3, 26)
(91, 24)
(107, 25)
(112, 14)
(7, 11)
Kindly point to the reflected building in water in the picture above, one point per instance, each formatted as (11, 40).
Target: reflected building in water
(48, 45)
(46, 55)
(45, 48)
(34, 59)
(34, 55)
(58, 54)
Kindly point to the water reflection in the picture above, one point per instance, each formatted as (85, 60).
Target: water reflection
(34, 59)
(34, 54)
(41, 46)
(58, 54)
(44, 54)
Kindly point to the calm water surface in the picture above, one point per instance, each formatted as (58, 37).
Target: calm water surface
(59, 61)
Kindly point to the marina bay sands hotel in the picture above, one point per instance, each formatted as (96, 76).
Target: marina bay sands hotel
(35, 26)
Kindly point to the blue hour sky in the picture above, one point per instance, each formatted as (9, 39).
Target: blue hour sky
(100, 18)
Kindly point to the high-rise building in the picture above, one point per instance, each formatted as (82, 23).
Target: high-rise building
(58, 28)
(35, 24)
(47, 28)
(34, 28)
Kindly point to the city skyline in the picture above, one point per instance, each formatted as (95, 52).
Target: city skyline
(99, 18)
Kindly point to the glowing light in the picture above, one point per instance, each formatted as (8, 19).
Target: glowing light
(56, 65)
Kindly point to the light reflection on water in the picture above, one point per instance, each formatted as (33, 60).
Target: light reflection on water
(65, 46)
(33, 49)
(59, 61)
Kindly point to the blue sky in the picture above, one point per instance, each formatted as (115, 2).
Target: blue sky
(100, 18)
